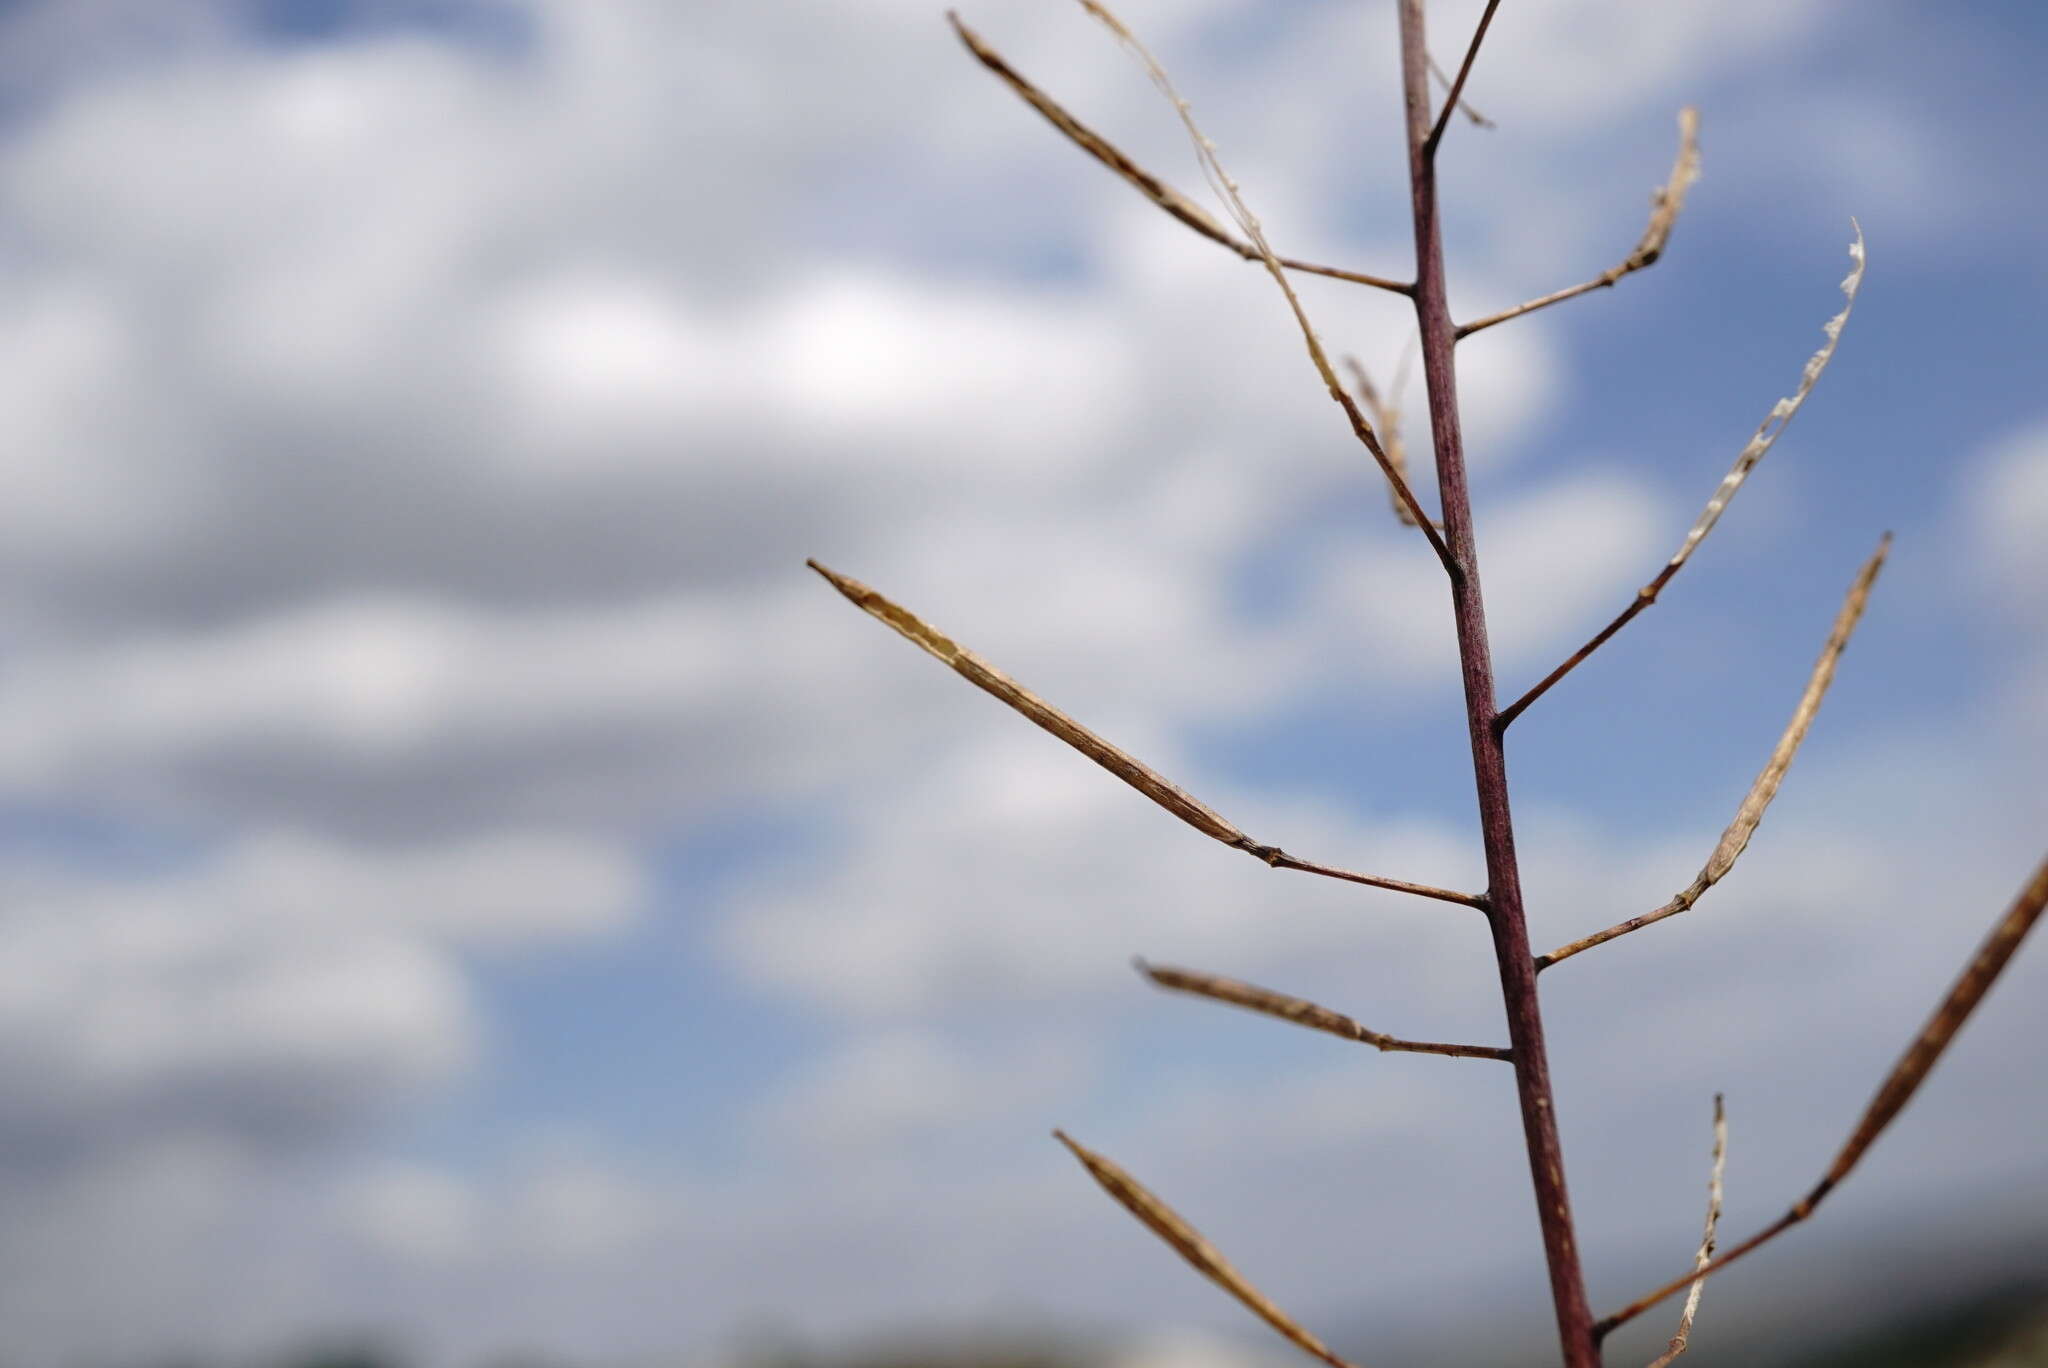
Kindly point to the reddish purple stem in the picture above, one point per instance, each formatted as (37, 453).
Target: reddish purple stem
(1489, 762)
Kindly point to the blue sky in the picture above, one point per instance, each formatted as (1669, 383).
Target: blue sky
(467, 880)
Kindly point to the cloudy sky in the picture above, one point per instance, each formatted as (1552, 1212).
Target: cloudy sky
(464, 878)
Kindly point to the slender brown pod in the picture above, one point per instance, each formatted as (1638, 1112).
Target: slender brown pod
(1168, 1224)
(1681, 1340)
(1122, 764)
(1735, 839)
(1146, 184)
(1898, 1087)
(1664, 207)
(1759, 445)
(1301, 1012)
(1387, 419)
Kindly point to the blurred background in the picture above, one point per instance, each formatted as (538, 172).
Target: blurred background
(472, 897)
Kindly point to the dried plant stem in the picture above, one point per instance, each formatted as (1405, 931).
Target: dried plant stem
(1248, 223)
(1898, 1087)
(1302, 1012)
(1767, 433)
(1664, 207)
(1147, 184)
(1477, 119)
(1683, 1338)
(1750, 814)
(1168, 1225)
(1387, 419)
(1280, 859)
(1124, 766)
(1489, 762)
(1436, 132)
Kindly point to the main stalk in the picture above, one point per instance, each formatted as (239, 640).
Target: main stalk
(1489, 763)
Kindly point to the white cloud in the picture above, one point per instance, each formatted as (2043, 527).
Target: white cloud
(1191, 1348)
(2004, 525)
(281, 992)
(1575, 62)
(883, 1089)
(420, 451)
(1012, 870)
(412, 1214)
(1554, 559)
(2008, 510)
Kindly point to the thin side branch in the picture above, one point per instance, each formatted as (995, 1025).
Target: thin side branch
(1747, 817)
(1167, 1224)
(1301, 1012)
(1138, 775)
(1248, 223)
(1280, 859)
(1664, 206)
(1683, 1339)
(1451, 101)
(1767, 433)
(1464, 106)
(1146, 184)
(1387, 419)
(1898, 1088)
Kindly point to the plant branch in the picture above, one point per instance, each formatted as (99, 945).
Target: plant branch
(1248, 223)
(1436, 133)
(1280, 859)
(1301, 1012)
(1735, 839)
(1664, 206)
(1387, 419)
(1489, 762)
(1146, 184)
(1898, 1087)
(1124, 766)
(1766, 435)
(1163, 1221)
(1681, 1341)
(1477, 119)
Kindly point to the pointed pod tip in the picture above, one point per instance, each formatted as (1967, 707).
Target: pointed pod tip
(852, 588)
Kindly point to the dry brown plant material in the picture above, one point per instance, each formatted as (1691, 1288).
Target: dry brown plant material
(1167, 1224)
(1387, 419)
(1464, 106)
(1898, 1087)
(1302, 1012)
(1767, 434)
(1248, 222)
(1664, 208)
(1682, 1340)
(1455, 98)
(1454, 541)
(1750, 814)
(1124, 766)
(1143, 181)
